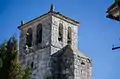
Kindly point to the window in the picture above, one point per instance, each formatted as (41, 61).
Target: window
(29, 37)
(39, 34)
(32, 65)
(60, 32)
(69, 36)
(83, 63)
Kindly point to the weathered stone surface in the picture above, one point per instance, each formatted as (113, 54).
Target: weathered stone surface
(53, 58)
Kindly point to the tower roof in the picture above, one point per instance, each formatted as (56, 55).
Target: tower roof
(51, 12)
(72, 50)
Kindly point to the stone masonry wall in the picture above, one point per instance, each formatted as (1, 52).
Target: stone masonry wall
(38, 56)
(82, 67)
(56, 44)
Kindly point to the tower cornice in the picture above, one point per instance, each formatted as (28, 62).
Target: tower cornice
(51, 13)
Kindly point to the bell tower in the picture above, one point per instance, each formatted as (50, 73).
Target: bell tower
(44, 36)
(64, 31)
(34, 47)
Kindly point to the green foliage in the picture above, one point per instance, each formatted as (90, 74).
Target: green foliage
(3, 52)
(49, 78)
(26, 73)
(116, 1)
(9, 65)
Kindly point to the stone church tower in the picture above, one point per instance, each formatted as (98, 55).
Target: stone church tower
(49, 45)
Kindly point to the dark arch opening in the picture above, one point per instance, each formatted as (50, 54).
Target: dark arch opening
(29, 37)
(69, 39)
(60, 32)
(39, 34)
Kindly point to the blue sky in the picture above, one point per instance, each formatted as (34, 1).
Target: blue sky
(97, 33)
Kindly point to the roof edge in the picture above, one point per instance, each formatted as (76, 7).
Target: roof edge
(66, 17)
(31, 20)
(50, 12)
(113, 5)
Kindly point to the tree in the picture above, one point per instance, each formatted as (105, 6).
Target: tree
(26, 73)
(14, 67)
(10, 67)
(3, 53)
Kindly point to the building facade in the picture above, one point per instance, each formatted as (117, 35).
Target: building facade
(49, 45)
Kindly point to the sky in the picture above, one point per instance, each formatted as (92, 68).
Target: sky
(96, 34)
